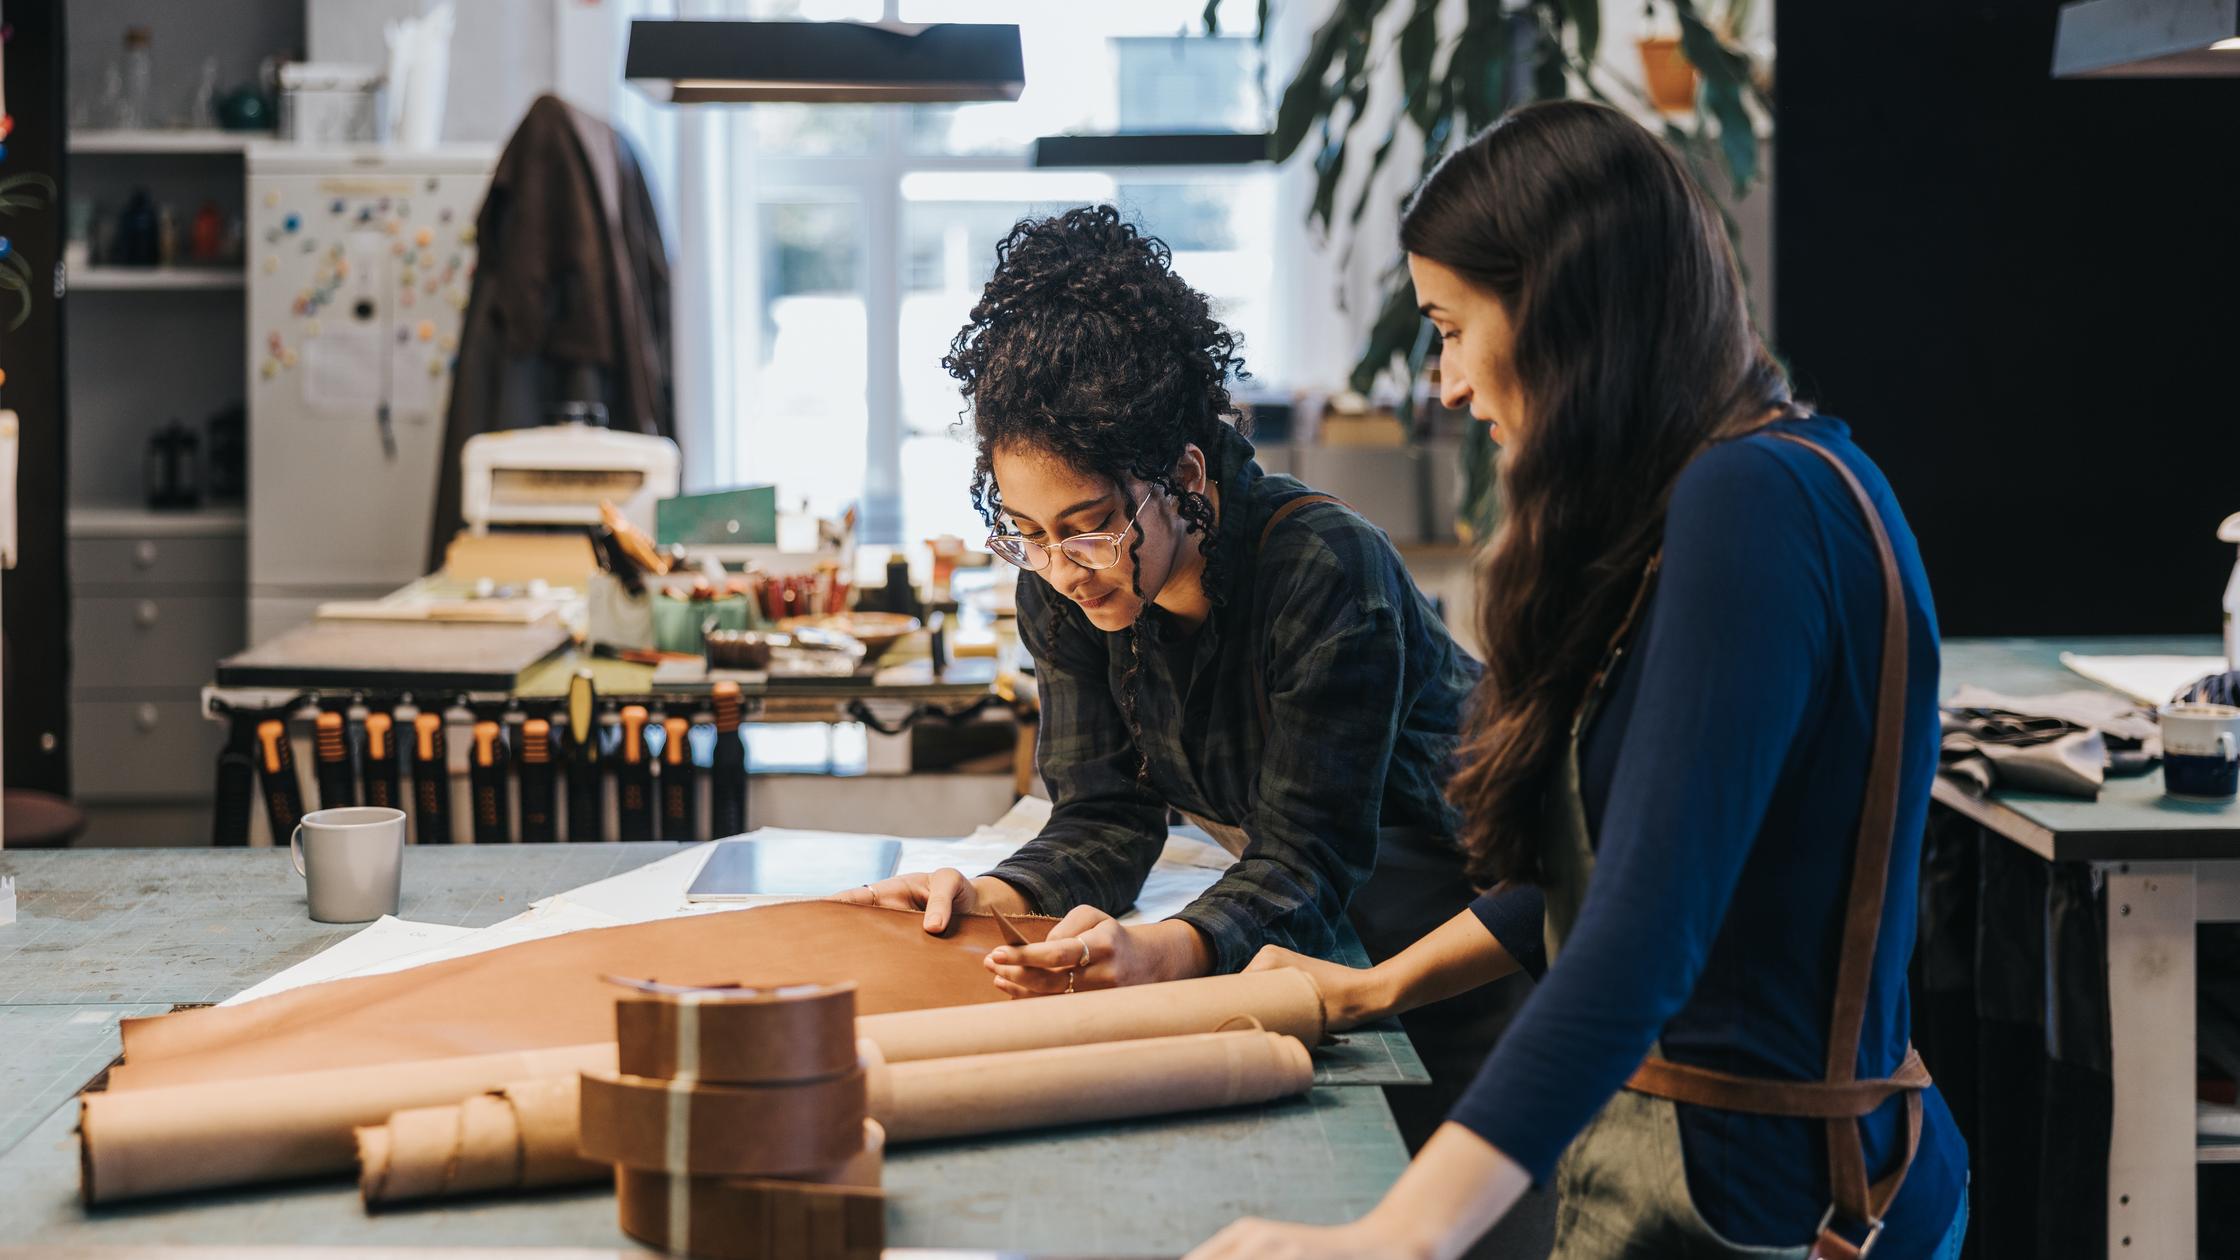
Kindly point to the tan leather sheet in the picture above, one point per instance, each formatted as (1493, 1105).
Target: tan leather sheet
(549, 993)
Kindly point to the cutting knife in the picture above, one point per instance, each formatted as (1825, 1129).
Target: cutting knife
(486, 779)
(585, 826)
(237, 783)
(677, 796)
(536, 783)
(727, 807)
(381, 770)
(1011, 933)
(431, 781)
(276, 765)
(330, 742)
(634, 780)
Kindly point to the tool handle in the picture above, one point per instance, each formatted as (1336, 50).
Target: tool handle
(634, 778)
(276, 766)
(380, 771)
(330, 745)
(727, 802)
(584, 807)
(536, 780)
(237, 796)
(486, 779)
(431, 782)
(678, 795)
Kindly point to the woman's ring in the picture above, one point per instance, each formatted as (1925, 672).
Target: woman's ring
(1084, 955)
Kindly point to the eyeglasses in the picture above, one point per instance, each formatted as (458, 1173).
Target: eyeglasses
(1090, 551)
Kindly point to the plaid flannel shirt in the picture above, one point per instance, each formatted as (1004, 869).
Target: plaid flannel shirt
(1365, 691)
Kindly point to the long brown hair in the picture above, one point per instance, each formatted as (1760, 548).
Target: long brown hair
(1634, 350)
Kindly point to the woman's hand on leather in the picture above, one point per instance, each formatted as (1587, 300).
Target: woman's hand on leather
(1351, 996)
(942, 895)
(1254, 1239)
(1089, 949)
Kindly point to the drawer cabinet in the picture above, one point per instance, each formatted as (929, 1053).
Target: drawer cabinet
(156, 600)
(166, 562)
(143, 750)
(152, 641)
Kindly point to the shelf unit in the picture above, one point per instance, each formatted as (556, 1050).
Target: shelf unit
(148, 142)
(156, 596)
(125, 279)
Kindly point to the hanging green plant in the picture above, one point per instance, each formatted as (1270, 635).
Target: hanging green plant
(27, 191)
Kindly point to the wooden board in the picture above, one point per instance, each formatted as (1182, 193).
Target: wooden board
(394, 656)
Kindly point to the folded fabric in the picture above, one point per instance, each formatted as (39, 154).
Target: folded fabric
(2065, 743)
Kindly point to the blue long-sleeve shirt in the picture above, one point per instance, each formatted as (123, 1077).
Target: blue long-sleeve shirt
(1723, 777)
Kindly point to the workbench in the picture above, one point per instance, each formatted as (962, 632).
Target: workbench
(2167, 865)
(106, 934)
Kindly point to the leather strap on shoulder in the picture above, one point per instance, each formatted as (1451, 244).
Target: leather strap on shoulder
(1840, 1097)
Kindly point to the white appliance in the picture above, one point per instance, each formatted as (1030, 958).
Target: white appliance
(359, 262)
(557, 475)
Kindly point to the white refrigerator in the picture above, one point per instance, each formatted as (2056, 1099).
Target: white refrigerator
(359, 264)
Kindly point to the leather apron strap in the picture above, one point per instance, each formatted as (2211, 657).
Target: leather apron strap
(1840, 1097)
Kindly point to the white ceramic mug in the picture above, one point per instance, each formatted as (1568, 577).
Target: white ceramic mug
(351, 860)
(2200, 751)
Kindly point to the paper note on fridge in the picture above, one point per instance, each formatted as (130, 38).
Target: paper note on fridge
(342, 370)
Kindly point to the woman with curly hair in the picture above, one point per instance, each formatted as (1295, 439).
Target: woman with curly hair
(1702, 749)
(1207, 638)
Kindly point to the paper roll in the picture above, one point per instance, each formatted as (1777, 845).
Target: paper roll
(940, 1098)
(1281, 1001)
(277, 1128)
(519, 1137)
(682, 1126)
(738, 1036)
(1030, 1089)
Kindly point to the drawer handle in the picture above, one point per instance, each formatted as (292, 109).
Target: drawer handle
(145, 717)
(144, 554)
(144, 616)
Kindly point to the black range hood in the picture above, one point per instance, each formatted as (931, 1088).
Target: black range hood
(729, 62)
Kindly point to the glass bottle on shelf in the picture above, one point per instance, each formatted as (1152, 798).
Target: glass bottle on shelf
(139, 80)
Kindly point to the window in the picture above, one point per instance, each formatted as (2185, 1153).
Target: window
(859, 237)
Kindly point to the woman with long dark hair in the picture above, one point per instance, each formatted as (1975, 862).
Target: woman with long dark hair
(1208, 639)
(1697, 767)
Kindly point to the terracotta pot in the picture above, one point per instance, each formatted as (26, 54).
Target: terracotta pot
(1670, 77)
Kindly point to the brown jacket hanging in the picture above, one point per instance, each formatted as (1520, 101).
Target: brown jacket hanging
(570, 300)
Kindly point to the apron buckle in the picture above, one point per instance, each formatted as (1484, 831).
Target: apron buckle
(1828, 1244)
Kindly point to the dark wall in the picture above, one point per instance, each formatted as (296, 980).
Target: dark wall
(34, 676)
(2024, 295)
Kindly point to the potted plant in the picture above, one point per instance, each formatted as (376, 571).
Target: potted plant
(1456, 78)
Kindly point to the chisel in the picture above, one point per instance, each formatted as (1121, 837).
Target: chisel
(585, 825)
(276, 765)
(330, 741)
(431, 782)
(634, 780)
(676, 780)
(536, 783)
(381, 771)
(237, 784)
(486, 776)
(727, 809)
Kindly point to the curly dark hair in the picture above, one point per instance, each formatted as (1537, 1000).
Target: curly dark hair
(1086, 346)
